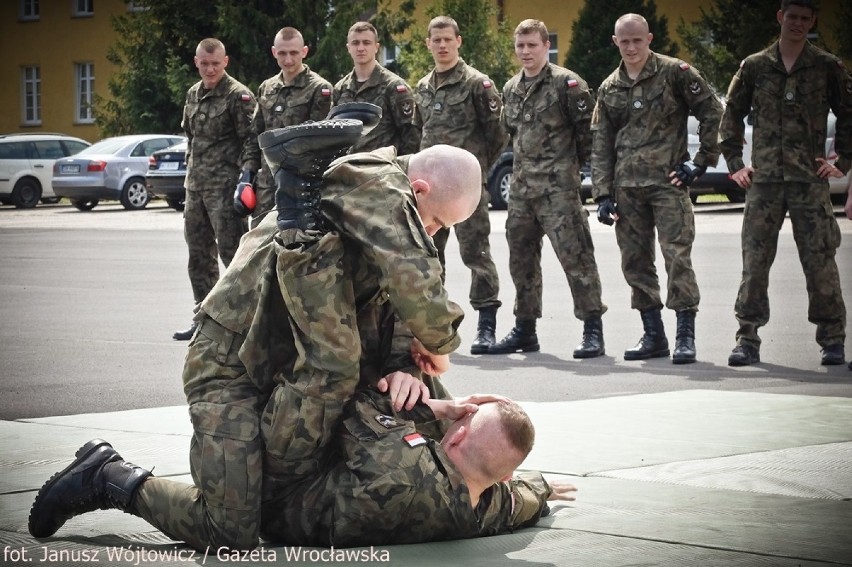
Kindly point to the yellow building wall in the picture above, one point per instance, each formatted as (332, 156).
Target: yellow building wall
(55, 43)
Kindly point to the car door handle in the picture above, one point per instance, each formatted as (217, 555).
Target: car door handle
(38, 166)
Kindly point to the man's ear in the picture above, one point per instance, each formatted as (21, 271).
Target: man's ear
(421, 187)
(458, 436)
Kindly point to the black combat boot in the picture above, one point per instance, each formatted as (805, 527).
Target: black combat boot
(485, 331)
(521, 338)
(186, 334)
(653, 343)
(743, 355)
(833, 355)
(593, 341)
(98, 479)
(684, 351)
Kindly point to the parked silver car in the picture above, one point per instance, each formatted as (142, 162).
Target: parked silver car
(113, 168)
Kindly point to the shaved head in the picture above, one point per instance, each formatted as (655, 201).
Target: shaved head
(448, 184)
(634, 22)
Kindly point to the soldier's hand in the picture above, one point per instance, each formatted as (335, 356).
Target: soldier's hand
(742, 177)
(245, 199)
(684, 174)
(561, 490)
(607, 210)
(826, 170)
(403, 389)
(451, 409)
(429, 362)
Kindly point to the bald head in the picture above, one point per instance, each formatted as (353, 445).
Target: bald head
(634, 42)
(634, 22)
(448, 183)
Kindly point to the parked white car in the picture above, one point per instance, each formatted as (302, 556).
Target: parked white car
(113, 168)
(26, 166)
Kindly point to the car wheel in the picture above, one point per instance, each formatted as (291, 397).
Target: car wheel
(135, 195)
(735, 195)
(499, 187)
(85, 204)
(176, 204)
(26, 193)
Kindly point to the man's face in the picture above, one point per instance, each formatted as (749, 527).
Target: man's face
(289, 53)
(438, 215)
(211, 66)
(362, 47)
(634, 42)
(796, 22)
(531, 52)
(444, 45)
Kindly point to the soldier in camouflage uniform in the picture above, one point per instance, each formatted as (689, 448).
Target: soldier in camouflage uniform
(294, 312)
(293, 96)
(370, 82)
(640, 160)
(458, 105)
(216, 119)
(547, 110)
(789, 88)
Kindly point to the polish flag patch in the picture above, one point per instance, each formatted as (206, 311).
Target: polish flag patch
(245, 97)
(486, 84)
(572, 83)
(414, 439)
(326, 92)
(401, 88)
(684, 66)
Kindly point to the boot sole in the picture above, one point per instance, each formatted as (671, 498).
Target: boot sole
(81, 454)
(479, 349)
(581, 355)
(656, 354)
(530, 348)
(689, 360)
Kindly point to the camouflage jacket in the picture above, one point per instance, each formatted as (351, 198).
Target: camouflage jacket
(463, 112)
(216, 122)
(383, 483)
(639, 127)
(548, 121)
(368, 200)
(789, 112)
(390, 92)
(280, 105)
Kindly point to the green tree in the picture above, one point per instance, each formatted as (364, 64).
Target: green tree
(727, 32)
(486, 44)
(840, 29)
(592, 53)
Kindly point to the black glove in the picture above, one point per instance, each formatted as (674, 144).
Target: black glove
(687, 172)
(607, 210)
(244, 198)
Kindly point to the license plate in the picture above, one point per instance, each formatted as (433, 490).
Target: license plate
(169, 165)
(69, 169)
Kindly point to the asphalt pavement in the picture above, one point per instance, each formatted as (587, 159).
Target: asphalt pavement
(698, 464)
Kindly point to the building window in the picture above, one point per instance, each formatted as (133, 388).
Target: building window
(85, 81)
(553, 52)
(84, 7)
(31, 95)
(29, 10)
(388, 56)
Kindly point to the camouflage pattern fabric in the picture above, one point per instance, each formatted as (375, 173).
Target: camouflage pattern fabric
(639, 135)
(390, 92)
(216, 122)
(464, 111)
(297, 311)
(790, 112)
(280, 105)
(548, 121)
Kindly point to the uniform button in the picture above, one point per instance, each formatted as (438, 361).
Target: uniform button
(789, 95)
(528, 116)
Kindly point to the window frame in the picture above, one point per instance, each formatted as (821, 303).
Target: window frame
(29, 10)
(84, 93)
(31, 97)
(82, 8)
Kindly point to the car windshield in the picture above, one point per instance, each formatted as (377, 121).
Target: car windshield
(108, 146)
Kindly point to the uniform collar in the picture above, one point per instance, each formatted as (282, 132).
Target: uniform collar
(807, 58)
(220, 89)
(454, 77)
(300, 81)
(545, 73)
(650, 69)
(374, 79)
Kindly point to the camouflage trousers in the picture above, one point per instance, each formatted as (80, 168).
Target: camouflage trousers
(667, 209)
(817, 237)
(212, 229)
(565, 221)
(475, 248)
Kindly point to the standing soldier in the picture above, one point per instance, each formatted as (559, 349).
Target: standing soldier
(788, 87)
(216, 119)
(459, 106)
(549, 143)
(640, 160)
(370, 82)
(293, 96)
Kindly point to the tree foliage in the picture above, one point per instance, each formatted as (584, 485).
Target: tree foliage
(727, 32)
(487, 44)
(840, 29)
(593, 54)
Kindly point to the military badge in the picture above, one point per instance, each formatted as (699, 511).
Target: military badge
(486, 84)
(401, 89)
(407, 108)
(572, 83)
(326, 92)
(493, 104)
(278, 108)
(245, 97)
(684, 66)
(387, 421)
(582, 106)
(695, 87)
(414, 439)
